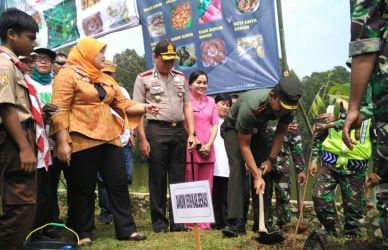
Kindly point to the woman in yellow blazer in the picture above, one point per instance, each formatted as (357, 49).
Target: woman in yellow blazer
(88, 138)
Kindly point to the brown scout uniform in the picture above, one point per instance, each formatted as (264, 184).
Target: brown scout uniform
(17, 188)
(167, 138)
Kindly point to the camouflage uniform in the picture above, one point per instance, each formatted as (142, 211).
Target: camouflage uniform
(292, 146)
(369, 35)
(350, 177)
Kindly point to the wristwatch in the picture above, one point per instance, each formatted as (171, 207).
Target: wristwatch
(272, 160)
(343, 115)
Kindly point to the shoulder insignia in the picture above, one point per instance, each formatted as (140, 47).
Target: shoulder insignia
(178, 72)
(3, 80)
(145, 73)
(260, 108)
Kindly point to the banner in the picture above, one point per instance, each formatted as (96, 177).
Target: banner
(62, 22)
(234, 41)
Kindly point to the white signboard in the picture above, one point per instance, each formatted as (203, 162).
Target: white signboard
(191, 202)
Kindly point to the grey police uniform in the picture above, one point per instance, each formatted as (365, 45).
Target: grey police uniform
(167, 138)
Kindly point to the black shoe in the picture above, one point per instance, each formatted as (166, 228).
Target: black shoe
(234, 230)
(255, 228)
(163, 230)
(356, 233)
(105, 218)
(178, 228)
(134, 237)
(329, 231)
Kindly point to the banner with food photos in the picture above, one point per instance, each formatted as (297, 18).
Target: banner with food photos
(233, 41)
(62, 22)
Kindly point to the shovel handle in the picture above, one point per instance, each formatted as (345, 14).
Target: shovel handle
(261, 214)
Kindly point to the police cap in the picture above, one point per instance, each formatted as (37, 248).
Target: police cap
(166, 50)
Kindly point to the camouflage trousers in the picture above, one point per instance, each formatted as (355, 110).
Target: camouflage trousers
(282, 187)
(351, 184)
(380, 160)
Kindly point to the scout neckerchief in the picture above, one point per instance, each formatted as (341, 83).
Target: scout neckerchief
(36, 111)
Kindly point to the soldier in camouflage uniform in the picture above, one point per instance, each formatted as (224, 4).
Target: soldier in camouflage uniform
(369, 52)
(292, 148)
(344, 167)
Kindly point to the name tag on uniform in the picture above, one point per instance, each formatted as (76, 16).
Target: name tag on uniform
(156, 90)
(179, 84)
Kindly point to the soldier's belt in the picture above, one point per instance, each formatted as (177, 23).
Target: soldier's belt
(166, 124)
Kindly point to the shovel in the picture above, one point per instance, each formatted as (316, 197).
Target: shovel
(265, 237)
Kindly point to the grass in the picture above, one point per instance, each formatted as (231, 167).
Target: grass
(212, 240)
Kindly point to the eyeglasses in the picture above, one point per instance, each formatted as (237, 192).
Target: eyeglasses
(43, 58)
(60, 63)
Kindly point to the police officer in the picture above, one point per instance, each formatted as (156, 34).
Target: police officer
(164, 140)
(18, 160)
(252, 110)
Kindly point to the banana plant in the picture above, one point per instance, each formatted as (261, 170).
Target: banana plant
(326, 95)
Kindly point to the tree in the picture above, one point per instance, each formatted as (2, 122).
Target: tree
(316, 87)
(318, 90)
(128, 65)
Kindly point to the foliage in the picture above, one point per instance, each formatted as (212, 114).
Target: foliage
(320, 89)
(128, 65)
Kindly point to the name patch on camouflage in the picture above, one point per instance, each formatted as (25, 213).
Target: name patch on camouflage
(3, 81)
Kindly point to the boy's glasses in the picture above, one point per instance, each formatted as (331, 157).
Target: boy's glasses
(43, 59)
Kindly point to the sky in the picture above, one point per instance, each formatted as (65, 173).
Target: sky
(317, 35)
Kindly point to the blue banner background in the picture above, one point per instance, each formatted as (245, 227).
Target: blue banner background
(249, 40)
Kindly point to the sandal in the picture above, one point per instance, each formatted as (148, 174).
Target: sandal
(136, 237)
(86, 242)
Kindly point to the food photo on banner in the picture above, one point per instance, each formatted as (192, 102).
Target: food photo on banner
(234, 42)
(62, 22)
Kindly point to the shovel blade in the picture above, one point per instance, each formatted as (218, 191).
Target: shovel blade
(270, 238)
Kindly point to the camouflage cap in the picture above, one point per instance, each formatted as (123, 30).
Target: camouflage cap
(166, 50)
(109, 67)
(289, 90)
